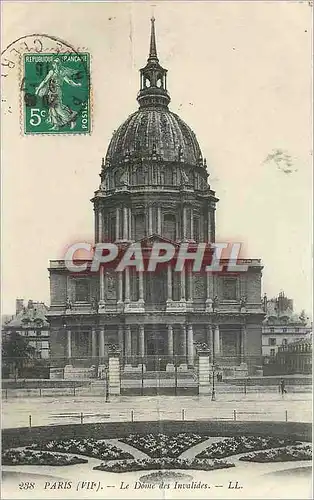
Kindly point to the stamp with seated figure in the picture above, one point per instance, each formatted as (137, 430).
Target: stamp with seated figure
(56, 93)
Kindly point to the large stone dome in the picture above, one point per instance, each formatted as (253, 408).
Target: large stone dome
(154, 131)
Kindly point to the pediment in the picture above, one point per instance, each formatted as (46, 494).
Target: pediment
(149, 241)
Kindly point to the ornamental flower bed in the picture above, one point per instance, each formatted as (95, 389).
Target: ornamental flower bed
(29, 457)
(90, 447)
(243, 444)
(287, 454)
(163, 463)
(160, 445)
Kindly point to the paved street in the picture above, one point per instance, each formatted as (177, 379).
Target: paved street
(257, 406)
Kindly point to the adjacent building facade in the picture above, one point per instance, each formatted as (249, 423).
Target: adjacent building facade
(281, 327)
(154, 187)
(30, 321)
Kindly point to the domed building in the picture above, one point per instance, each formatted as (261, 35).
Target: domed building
(154, 187)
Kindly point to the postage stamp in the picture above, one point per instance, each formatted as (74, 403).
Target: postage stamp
(56, 93)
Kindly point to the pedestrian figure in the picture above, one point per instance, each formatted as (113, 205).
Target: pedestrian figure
(282, 388)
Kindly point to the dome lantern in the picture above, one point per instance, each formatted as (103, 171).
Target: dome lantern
(153, 78)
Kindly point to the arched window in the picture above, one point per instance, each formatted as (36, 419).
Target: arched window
(169, 227)
(139, 226)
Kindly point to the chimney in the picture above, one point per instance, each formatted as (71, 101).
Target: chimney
(19, 304)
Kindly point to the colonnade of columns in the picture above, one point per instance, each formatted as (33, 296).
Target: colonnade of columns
(185, 341)
(123, 229)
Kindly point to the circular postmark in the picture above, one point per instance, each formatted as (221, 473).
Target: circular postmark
(52, 80)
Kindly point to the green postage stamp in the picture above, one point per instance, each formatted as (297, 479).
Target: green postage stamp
(56, 93)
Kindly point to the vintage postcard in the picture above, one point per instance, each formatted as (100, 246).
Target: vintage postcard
(156, 250)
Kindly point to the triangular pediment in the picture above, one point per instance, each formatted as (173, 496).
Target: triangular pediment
(148, 241)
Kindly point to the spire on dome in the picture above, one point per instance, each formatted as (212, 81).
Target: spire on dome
(152, 47)
(153, 90)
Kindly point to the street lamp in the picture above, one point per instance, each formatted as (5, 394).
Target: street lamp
(213, 384)
(107, 384)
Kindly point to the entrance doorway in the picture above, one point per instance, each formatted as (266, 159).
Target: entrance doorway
(156, 349)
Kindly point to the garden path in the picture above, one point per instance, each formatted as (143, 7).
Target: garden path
(128, 448)
(195, 450)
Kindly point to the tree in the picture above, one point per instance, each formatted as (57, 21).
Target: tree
(16, 351)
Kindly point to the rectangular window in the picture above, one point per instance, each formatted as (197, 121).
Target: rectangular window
(284, 341)
(271, 341)
(230, 288)
(81, 290)
(272, 353)
(272, 330)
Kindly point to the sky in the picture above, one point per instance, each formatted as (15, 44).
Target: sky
(239, 73)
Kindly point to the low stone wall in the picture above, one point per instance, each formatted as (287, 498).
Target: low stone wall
(25, 436)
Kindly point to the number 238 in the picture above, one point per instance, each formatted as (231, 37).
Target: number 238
(26, 486)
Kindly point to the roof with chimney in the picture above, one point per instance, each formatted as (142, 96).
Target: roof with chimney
(31, 316)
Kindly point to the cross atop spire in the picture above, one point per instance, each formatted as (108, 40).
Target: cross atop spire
(152, 47)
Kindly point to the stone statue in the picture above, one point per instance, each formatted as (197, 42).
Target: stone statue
(243, 302)
(123, 180)
(215, 303)
(264, 303)
(68, 304)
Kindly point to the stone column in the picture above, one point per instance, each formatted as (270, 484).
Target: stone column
(184, 223)
(100, 225)
(190, 346)
(128, 343)
(159, 220)
(102, 343)
(183, 341)
(141, 286)
(69, 344)
(150, 220)
(125, 223)
(192, 224)
(169, 282)
(216, 341)
(243, 343)
(130, 223)
(127, 284)
(209, 293)
(120, 338)
(170, 341)
(117, 223)
(94, 344)
(208, 226)
(120, 286)
(190, 282)
(183, 284)
(209, 337)
(141, 343)
(101, 285)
